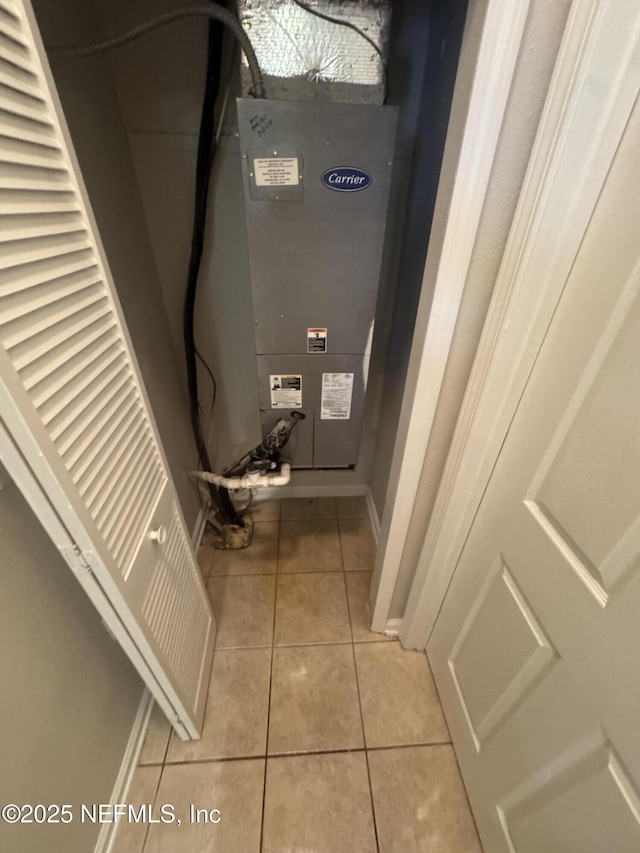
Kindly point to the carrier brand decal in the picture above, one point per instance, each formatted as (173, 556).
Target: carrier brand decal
(346, 179)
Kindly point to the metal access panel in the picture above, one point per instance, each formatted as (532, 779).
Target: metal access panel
(331, 388)
(316, 184)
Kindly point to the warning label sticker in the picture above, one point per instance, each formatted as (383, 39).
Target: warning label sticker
(316, 340)
(286, 391)
(337, 390)
(276, 172)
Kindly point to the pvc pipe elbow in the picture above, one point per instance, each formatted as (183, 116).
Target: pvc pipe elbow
(255, 480)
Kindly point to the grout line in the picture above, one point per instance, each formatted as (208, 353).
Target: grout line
(300, 753)
(273, 639)
(315, 572)
(264, 757)
(273, 574)
(310, 518)
(223, 759)
(245, 575)
(293, 645)
(166, 749)
(278, 558)
(153, 803)
(304, 572)
(366, 756)
(346, 594)
(299, 644)
(165, 752)
(355, 670)
(409, 745)
(264, 800)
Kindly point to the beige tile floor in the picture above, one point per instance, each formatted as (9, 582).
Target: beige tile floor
(319, 736)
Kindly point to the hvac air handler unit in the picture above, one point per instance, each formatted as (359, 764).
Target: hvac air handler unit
(316, 188)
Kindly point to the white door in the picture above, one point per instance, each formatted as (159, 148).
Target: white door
(71, 397)
(536, 651)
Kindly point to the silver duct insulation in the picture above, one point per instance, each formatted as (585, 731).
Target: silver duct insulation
(307, 58)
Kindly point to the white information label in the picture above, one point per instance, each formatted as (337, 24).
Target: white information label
(337, 390)
(286, 391)
(276, 172)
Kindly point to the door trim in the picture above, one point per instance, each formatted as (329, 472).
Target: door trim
(498, 53)
(592, 92)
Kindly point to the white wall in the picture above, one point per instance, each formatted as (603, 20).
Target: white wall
(69, 694)
(543, 32)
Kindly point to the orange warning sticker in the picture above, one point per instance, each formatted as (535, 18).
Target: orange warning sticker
(316, 340)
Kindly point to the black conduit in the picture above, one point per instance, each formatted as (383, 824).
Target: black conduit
(226, 512)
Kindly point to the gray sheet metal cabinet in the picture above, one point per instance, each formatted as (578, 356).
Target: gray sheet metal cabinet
(316, 184)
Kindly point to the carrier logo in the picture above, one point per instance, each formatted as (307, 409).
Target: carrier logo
(346, 179)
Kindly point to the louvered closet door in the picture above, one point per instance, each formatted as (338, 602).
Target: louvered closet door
(70, 391)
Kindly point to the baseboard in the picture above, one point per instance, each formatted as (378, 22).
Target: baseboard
(392, 627)
(107, 836)
(309, 492)
(373, 515)
(198, 529)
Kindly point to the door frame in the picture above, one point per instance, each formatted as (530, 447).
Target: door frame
(495, 65)
(592, 92)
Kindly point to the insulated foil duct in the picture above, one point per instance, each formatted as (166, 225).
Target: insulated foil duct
(306, 58)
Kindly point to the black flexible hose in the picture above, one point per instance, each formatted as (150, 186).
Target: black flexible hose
(220, 498)
(212, 11)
